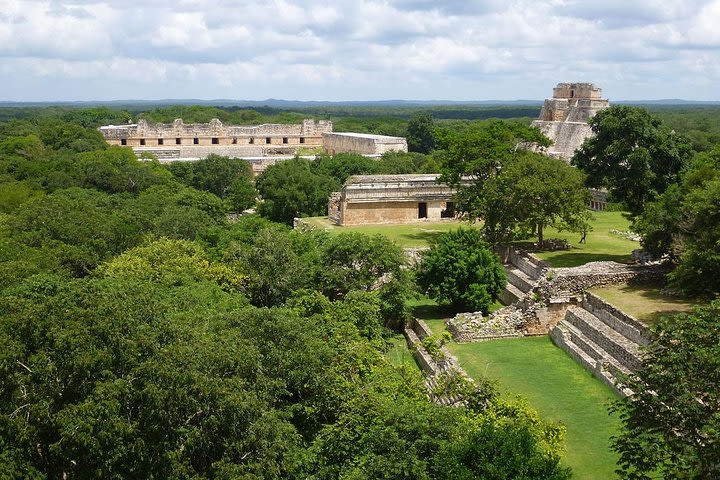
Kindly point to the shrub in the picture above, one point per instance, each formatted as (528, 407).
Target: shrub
(461, 270)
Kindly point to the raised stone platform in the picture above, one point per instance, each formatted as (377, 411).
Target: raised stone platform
(602, 339)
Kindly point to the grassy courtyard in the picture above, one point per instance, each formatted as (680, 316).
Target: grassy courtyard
(553, 383)
(643, 302)
(600, 244)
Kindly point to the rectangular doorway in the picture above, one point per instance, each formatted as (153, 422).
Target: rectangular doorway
(422, 210)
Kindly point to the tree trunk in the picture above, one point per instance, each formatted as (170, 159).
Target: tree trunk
(540, 234)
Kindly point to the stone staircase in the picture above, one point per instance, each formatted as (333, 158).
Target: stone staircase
(437, 373)
(523, 273)
(602, 339)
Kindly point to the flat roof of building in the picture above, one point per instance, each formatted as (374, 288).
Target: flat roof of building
(365, 135)
(417, 177)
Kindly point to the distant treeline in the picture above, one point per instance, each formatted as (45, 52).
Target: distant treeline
(701, 123)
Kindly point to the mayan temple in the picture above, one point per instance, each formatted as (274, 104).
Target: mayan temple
(564, 118)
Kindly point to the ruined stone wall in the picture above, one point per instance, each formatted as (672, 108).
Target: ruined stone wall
(389, 212)
(362, 143)
(578, 279)
(215, 133)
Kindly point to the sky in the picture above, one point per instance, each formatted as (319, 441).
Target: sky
(357, 50)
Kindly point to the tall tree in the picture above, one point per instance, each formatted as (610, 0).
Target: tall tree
(290, 189)
(461, 270)
(684, 223)
(420, 134)
(633, 155)
(530, 193)
(480, 150)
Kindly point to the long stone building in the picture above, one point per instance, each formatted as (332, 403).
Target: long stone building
(564, 118)
(260, 144)
(378, 199)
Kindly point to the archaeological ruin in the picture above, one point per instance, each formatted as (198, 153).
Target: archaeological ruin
(262, 145)
(377, 199)
(564, 118)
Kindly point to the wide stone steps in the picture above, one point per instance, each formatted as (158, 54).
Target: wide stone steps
(593, 350)
(630, 328)
(445, 400)
(588, 354)
(510, 295)
(519, 278)
(527, 267)
(621, 348)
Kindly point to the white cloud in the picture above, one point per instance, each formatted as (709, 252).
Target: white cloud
(312, 49)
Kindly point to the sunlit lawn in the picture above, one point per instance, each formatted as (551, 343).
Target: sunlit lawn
(600, 243)
(554, 384)
(405, 235)
(643, 302)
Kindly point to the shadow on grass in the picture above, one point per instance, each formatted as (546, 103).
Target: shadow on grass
(425, 236)
(427, 311)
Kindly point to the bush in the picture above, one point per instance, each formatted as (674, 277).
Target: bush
(461, 270)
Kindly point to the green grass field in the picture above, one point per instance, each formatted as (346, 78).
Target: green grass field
(553, 383)
(406, 235)
(643, 302)
(600, 243)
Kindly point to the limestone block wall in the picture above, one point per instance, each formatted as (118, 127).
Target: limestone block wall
(616, 318)
(567, 136)
(389, 212)
(215, 133)
(364, 144)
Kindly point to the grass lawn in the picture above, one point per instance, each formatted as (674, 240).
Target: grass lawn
(643, 302)
(405, 235)
(559, 388)
(553, 383)
(600, 243)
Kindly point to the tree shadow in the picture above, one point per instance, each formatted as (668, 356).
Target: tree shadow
(425, 312)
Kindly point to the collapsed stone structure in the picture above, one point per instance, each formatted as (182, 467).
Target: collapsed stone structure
(564, 118)
(377, 199)
(258, 143)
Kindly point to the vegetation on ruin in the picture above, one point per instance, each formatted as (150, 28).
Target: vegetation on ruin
(461, 270)
(671, 423)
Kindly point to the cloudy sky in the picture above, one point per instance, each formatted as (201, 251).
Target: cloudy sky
(357, 49)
